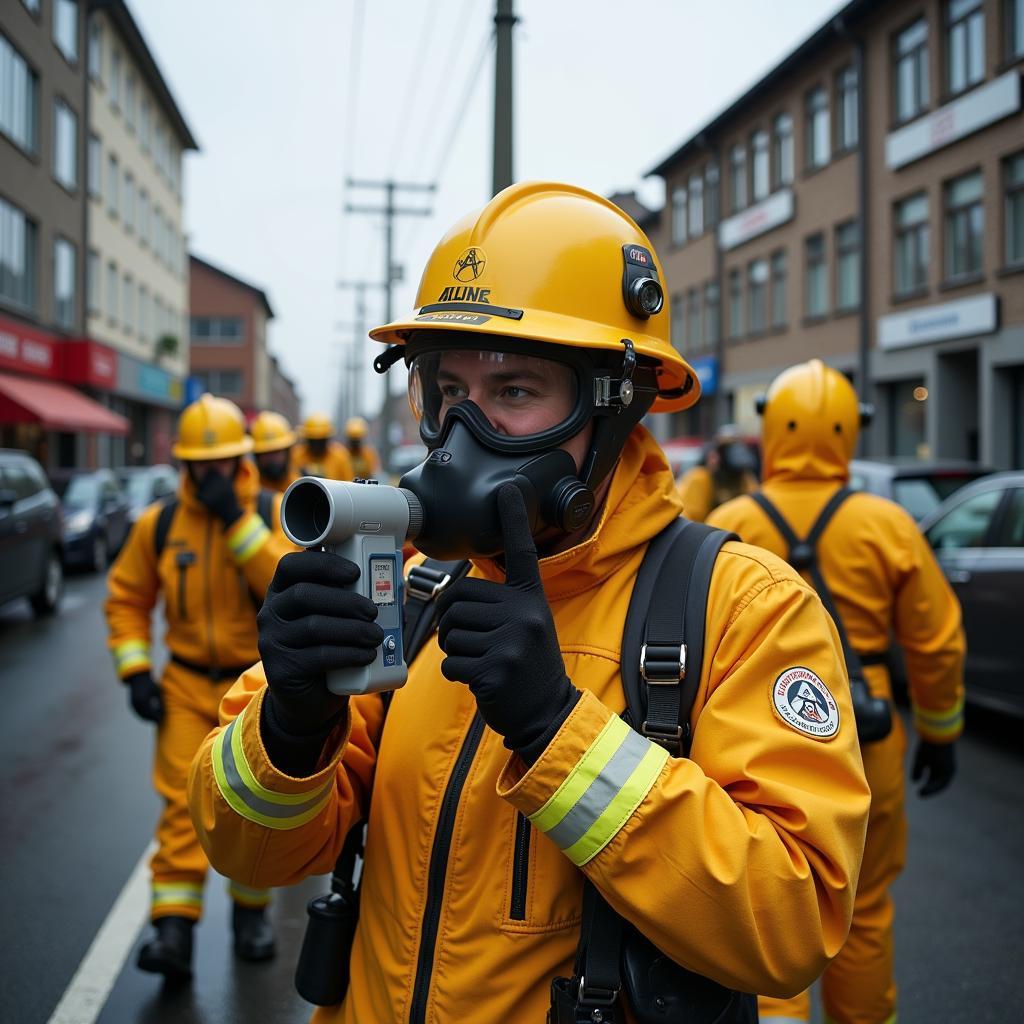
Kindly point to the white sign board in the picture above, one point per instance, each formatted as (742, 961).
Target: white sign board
(959, 319)
(980, 107)
(748, 224)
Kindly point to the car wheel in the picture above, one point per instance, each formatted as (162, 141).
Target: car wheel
(99, 553)
(46, 600)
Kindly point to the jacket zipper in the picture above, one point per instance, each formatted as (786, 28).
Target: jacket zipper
(208, 596)
(439, 868)
(520, 869)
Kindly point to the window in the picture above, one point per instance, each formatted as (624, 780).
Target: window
(129, 101)
(144, 228)
(19, 98)
(95, 58)
(226, 330)
(129, 202)
(784, 161)
(128, 296)
(63, 282)
(711, 191)
(965, 44)
(1014, 13)
(848, 265)
(92, 280)
(693, 319)
(677, 324)
(711, 319)
(735, 304)
(965, 225)
(847, 109)
(95, 162)
(816, 304)
(910, 77)
(760, 176)
(911, 258)
(221, 382)
(1014, 176)
(113, 185)
(32, 5)
(155, 237)
(696, 205)
(757, 296)
(779, 271)
(144, 123)
(143, 313)
(965, 525)
(112, 298)
(17, 257)
(65, 28)
(1011, 531)
(65, 144)
(159, 147)
(678, 216)
(817, 127)
(737, 179)
(115, 79)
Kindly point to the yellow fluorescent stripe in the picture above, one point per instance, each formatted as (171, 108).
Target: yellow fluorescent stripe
(944, 731)
(244, 532)
(617, 813)
(176, 900)
(125, 667)
(940, 717)
(578, 781)
(251, 547)
(130, 645)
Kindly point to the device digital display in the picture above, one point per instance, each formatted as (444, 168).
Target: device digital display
(382, 581)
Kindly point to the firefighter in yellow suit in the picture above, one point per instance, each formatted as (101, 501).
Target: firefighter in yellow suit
(506, 773)
(728, 471)
(272, 443)
(318, 454)
(217, 557)
(365, 462)
(885, 582)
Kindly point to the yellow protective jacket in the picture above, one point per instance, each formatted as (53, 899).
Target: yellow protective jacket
(882, 575)
(211, 581)
(700, 493)
(334, 465)
(740, 862)
(365, 461)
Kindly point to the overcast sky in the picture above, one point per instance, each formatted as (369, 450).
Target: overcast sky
(603, 90)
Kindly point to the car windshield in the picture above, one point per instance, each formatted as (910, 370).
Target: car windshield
(919, 495)
(81, 492)
(139, 487)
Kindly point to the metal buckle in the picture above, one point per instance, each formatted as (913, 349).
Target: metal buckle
(434, 583)
(596, 996)
(671, 739)
(667, 665)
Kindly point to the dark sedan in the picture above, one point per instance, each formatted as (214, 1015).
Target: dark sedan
(95, 517)
(919, 486)
(978, 537)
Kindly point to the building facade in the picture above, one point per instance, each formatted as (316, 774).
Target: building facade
(864, 203)
(229, 355)
(136, 271)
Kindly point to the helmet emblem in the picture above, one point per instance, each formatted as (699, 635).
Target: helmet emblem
(209, 437)
(470, 265)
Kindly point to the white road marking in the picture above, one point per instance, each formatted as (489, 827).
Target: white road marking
(88, 990)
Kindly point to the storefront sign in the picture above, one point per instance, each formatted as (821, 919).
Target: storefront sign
(706, 369)
(28, 350)
(147, 383)
(980, 107)
(961, 319)
(89, 362)
(766, 215)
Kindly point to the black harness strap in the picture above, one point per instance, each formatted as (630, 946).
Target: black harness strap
(264, 508)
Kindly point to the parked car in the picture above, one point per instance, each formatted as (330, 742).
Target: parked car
(146, 484)
(30, 534)
(95, 516)
(919, 486)
(978, 537)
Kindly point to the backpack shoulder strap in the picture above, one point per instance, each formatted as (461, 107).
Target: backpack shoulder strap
(265, 508)
(424, 584)
(163, 525)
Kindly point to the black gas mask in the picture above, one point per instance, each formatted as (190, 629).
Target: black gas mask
(198, 471)
(474, 399)
(273, 465)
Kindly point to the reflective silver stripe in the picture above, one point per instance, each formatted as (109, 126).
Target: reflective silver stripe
(601, 792)
(253, 802)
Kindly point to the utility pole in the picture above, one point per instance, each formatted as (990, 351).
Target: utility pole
(391, 271)
(350, 391)
(504, 21)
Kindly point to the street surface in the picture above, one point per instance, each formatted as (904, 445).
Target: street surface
(78, 813)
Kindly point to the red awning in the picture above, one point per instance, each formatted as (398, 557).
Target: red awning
(55, 407)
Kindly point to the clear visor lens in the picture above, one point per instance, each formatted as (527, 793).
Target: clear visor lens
(520, 395)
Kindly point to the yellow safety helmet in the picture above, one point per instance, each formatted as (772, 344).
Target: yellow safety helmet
(811, 419)
(552, 263)
(356, 428)
(318, 427)
(271, 432)
(211, 428)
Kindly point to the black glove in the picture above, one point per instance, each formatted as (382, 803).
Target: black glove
(500, 640)
(217, 493)
(308, 625)
(145, 697)
(936, 764)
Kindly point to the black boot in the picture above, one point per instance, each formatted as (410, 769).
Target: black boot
(169, 952)
(254, 937)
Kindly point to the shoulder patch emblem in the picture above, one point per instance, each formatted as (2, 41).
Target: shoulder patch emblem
(803, 702)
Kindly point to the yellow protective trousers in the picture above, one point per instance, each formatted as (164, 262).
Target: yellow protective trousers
(179, 865)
